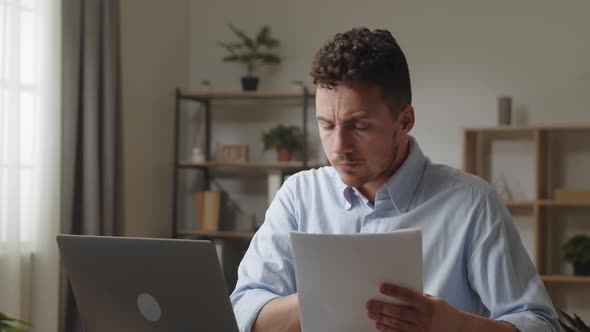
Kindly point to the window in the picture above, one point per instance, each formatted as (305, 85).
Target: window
(20, 59)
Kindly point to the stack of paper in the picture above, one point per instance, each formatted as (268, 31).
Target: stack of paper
(338, 274)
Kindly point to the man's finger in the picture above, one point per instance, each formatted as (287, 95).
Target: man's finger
(392, 323)
(403, 294)
(385, 328)
(396, 311)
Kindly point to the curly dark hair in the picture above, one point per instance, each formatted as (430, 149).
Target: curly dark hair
(362, 55)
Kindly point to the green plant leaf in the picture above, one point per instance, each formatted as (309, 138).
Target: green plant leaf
(6, 327)
(568, 319)
(577, 249)
(13, 329)
(263, 34)
(268, 58)
(248, 42)
(248, 50)
(265, 39)
(567, 328)
(4, 319)
(231, 47)
(282, 136)
(232, 58)
(271, 43)
(580, 324)
(572, 324)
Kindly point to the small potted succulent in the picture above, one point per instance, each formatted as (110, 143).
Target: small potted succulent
(284, 139)
(252, 52)
(572, 324)
(9, 324)
(577, 251)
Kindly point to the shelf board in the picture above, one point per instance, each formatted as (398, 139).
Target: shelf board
(545, 202)
(549, 202)
(566, 279)
(501, 129)
(501, 133)
(217, 234)
(264, 165)
(519, 204)
(527, 129)
(256, 95)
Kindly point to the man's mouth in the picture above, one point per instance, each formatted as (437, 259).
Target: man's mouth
(346, 166)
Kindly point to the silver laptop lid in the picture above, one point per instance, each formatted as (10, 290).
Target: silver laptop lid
(151, 285)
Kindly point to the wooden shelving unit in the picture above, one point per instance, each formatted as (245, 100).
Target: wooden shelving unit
(264, 165)
(217, 234)
(520, 204)
(546, 213)
(231, 244)
(210, 167)
(545, 202)
(566, 279)
(251, 95)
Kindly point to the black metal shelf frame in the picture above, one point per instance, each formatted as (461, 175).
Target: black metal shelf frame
(206, 102)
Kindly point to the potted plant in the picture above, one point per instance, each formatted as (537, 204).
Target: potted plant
(284, 139)
(251, 52)
(577, 251)
(572, 324)
(9, 324)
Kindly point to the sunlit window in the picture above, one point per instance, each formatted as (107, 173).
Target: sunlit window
(19, 114)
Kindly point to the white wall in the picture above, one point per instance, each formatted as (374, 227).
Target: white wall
(154, 52)
(462, 55)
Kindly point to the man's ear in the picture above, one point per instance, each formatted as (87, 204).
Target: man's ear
(406, 118)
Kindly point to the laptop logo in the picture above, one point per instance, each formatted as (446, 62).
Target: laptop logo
(149, 307)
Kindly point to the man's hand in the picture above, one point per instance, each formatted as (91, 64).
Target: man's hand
(425, 313)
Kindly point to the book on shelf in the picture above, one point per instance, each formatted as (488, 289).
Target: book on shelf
(208, 206)
(216, 212)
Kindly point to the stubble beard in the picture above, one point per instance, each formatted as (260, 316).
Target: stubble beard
(348, 176)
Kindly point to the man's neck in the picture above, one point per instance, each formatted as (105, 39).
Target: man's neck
(370, 189)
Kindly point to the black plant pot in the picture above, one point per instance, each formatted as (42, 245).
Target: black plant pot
(581, 269)
(249, 83)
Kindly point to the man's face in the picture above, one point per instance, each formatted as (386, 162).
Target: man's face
(359, 133)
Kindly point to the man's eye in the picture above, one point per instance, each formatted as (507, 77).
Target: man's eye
(361, 126)
(327, 126)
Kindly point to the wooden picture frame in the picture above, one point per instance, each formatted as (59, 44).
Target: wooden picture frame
(237, 153)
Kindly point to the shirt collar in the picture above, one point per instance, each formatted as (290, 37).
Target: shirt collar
(347, 192)
(400, 188)
(403, 184)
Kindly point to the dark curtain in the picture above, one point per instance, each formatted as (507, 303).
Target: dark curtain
(91, 164)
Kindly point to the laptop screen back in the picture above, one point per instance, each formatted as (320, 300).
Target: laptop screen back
(151, 285)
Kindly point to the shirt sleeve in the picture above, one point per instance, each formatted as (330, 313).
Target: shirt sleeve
(267, 269)
(501, 272)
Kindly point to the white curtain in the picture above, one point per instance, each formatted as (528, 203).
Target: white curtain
(30, 128)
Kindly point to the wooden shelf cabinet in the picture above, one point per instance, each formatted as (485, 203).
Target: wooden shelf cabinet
(550, 218)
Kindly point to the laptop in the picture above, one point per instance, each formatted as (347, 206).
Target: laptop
(148, 285)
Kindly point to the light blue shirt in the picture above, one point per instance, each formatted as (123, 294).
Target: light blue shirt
(473, 255)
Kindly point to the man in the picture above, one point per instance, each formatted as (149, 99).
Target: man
(474, 261)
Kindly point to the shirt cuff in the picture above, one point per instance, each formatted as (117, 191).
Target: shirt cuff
(529, 322)
(249, 305)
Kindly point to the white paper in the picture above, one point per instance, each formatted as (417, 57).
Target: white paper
(337, 274)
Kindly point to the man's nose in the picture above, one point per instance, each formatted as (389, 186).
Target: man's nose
(342, 141)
